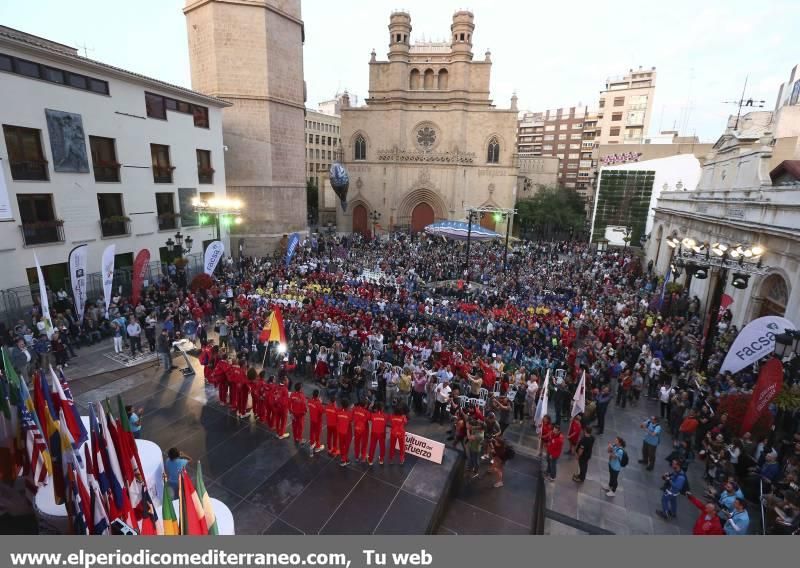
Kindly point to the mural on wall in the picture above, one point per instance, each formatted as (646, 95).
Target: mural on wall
(67, 142)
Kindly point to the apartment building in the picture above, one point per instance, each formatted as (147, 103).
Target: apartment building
(93, 154)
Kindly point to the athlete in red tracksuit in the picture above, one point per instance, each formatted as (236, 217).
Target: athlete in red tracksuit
(298, 408)
(269, 402)
(221, 377)
(281, 409)
(259, 394)
(378, 435)
(236, 381)
(397, 434)
(360, 431)
(331, 410)
(344, 428)
(315, 412)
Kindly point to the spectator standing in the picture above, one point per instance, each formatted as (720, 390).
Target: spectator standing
(650, 443)
(738, 521)
(135, 336)
(554, 448)
(616, 460)
(21, 359)
(584, 453)
(165, 351)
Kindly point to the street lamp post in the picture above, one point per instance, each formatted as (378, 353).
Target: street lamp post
(472, 216)
(177, 245)
(374, 217)
(507, 217)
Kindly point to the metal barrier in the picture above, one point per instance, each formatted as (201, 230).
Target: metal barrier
(16, 303)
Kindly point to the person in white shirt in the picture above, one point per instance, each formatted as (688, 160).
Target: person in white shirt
(442, 394)
(664, 394)
(135, 336)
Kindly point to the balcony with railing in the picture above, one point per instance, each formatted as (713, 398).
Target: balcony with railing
(106, 171)
(116, 226)
(163, 174)
(28, 170)
(42, 232)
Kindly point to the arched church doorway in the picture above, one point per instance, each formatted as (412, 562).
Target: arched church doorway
(775, 294)
(488, 221)
(360, 223)
(421, 217)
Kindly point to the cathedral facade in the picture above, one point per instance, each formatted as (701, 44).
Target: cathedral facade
(429, 143)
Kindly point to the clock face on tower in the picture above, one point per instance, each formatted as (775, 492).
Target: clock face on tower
(426, 137)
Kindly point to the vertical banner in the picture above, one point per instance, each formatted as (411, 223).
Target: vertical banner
(78, 258)
(579, 400)
(770, 381)
(5, 203)
(294, 239)
(43, 299)
(214, 252)
(108, 273)
(139, 268)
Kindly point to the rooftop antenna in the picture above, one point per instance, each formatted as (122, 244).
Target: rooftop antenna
(86, 49)
(742, 102)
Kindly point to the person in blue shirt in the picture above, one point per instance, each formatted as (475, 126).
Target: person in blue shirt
(176, 462)
(135, 420)
(738, 522)
(674, 485)
(616, 450)
(652, 438)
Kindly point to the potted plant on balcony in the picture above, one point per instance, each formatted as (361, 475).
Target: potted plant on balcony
(181, 262)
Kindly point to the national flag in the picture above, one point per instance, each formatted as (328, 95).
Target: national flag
(9, 430)
(541, 407)
(125, 459)
(108, 453)
(193, 521)
(63, 398)
(211, 519)
(100, 523)
(36, 456)
(14, 394)
(169, 518)
(579, 398)
(149, 524)
(275, 326)
(76, 505)
(137, 484)
(98, 463)
(46, 411)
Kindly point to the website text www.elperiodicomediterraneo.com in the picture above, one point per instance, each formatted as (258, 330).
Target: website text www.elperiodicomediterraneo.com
(215, 557)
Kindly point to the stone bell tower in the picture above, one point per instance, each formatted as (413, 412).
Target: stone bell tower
(250, 53)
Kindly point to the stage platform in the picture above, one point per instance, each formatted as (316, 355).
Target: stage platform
(273, 486)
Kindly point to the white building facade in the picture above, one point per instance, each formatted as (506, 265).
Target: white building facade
(92, 154)
(744, 197)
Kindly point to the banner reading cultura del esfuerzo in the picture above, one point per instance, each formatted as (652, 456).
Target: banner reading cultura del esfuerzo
(755, 341)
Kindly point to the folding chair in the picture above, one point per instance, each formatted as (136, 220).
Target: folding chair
(483, 394)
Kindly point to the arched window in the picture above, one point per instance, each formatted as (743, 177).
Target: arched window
(415, 80)
(442, 79)
(429, 79)
(493, 152)
(360, 148)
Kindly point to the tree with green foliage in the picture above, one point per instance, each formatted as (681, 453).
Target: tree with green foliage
(554, 212)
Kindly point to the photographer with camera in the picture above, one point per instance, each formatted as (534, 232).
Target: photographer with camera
(675, 483)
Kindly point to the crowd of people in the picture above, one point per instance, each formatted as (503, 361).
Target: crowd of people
(396, 329)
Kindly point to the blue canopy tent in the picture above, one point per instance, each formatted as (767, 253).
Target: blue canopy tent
(459, 230)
